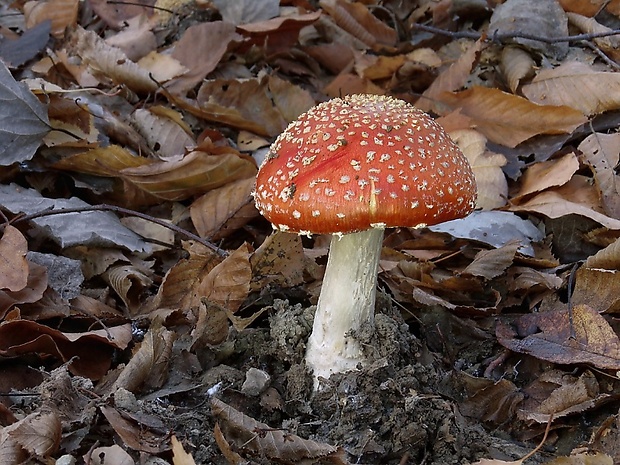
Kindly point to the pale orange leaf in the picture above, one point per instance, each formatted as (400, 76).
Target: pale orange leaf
(576, 85)
(508, 119)
(550, 173)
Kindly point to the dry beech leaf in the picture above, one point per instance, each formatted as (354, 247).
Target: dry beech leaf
(509, 119)
(592, 26)
(607, 258)
(34, 436)
(181, 177)
(544, 175)
(179, 456)
(356, 19)
(487, 167)
(112, 455)
(264, 105)
(583, 458)
(148, 367)
(104, 161)
(228, 283)
(253, 437)
(550, 336)
(178, 287)
(164, 135)
(136, 39)
(560, 394)
(111, 62)
(279, 260)
(13, 264)
(451, 79)
(130, 283)
(90, 352)
(489, 400)
(589, 8)
(576, 85)
(134, 434)
(516, 64)
(31, 292)
(577, 197)
(222, 211)
(62, 14)
(602, 152)
(492, 263)
(277, 34)
(216, 37)
(231, 456)
(162, 67)
(598, 287)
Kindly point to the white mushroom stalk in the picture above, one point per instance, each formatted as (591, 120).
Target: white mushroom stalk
(346, 303)
(352, 167)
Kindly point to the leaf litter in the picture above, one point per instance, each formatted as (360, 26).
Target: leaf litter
(178, 335)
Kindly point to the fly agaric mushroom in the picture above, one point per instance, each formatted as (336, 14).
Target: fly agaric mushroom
(352, 167)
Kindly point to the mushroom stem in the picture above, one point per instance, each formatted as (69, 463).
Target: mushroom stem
(346, 303)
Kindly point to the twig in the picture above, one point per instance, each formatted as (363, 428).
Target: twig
(125, 211)
(502, 37)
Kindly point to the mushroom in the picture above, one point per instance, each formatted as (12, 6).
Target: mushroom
(351, 167)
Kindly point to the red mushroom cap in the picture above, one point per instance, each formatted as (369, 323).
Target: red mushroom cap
(363, 161)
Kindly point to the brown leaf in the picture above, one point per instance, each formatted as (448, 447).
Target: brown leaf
(560, 394)
(106, 161)
(277, 34)
(134, 434)
(487, 166)
(517, 64)
(90, 352)
(607, 258)
(32, 292)
(598, 287)
(576, 197)
(217, 37)
(264, 106)
(62, 13)
(162, 131)
(182, 177)
(602, 152)
(491, 401)
(13, 264)
(541, 176)
(550, 336)
(112, 455)
(583, 458)
(222, 211)
(357, 19)
(279, 260)
(492, 263)
(508, 119)
(179, 456)
(111, 62)
(130, 283)
(259, 439)
(36, 436)
(576, 85)
(228, 283)
(451, 79)
(148, 367)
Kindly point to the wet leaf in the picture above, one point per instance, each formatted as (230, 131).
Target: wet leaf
(549, 336)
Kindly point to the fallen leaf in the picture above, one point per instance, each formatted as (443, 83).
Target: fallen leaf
(224, 210)
(214, 36)
(35, 436)
(597, 287)
(516, 65)
(509, 119)
(163, 134)
(259, 439)
(602, 153)
(14, 268)
(543, 175)
(179, 456)
(23, 120)
(133, 434)
(575, 85)
(247, 11)
(62, 13)
(492, 263)
(112, 455)
(552, 336)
